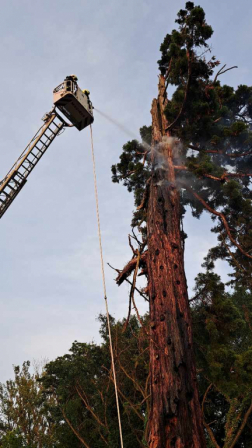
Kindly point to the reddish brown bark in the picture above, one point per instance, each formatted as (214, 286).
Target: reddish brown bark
(175, 418)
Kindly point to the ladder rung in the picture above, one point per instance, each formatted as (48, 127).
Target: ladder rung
(34, 155)
(38, 149)
(19, 175)
(6, 194)
(16, 182)
(48, 136)
(30, 162)
(9, 185)
(55, 124)
(52, 131)
(26, 169)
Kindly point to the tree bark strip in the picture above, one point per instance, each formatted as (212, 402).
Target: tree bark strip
(175, 417)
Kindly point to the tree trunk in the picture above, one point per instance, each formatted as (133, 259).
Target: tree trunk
(175, 417)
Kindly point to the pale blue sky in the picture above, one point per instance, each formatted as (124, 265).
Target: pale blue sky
(51, 290)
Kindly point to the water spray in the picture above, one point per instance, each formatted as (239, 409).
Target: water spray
(123, 128)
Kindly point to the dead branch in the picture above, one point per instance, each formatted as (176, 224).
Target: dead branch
(132, 289)
(127, 280)
(131, 246)
(145, 195)
(220, 215)
(221, 71)
(137, 312)
(129, 268)
(137, 240)
(144, 271)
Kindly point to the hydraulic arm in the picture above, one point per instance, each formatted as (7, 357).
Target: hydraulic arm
(78, 110)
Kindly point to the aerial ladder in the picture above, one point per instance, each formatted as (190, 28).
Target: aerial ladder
(68, 100)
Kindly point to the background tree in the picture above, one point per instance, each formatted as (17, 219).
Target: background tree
(82, 384)
(223, 345)
(25, 419)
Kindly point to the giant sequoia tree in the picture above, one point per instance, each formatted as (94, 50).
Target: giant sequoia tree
(200, 155)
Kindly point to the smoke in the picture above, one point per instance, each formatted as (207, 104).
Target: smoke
(160, 159)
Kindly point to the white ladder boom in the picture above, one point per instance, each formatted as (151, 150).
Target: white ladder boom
(16, 178)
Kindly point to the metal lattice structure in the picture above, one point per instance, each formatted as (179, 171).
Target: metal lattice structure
(16, 178)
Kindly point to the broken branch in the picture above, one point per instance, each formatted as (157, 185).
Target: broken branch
(129, 268)
(128, 281)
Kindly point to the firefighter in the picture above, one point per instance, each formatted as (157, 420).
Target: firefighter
(72, 78)
(87, 93)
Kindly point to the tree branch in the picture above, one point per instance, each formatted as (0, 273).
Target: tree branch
(220, 215)
(209, 430)
(198, 294)
(145, 195)
(131, 246)
(83, 397)
(242, 426)
(131, 297)
(74, 430)
(129, 268)
(220, 152)
(223, 177)
(126, 399)
(221, 71)
(127, 280)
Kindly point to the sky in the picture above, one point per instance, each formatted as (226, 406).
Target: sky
(51, 286)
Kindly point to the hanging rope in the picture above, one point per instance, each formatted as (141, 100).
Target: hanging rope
(104, 289)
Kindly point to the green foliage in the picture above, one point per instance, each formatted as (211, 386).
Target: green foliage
(213, 123)
(132, 172)
(82, 384)
(76, 391)
(25, 419)
(223, 344)
(12, 439)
